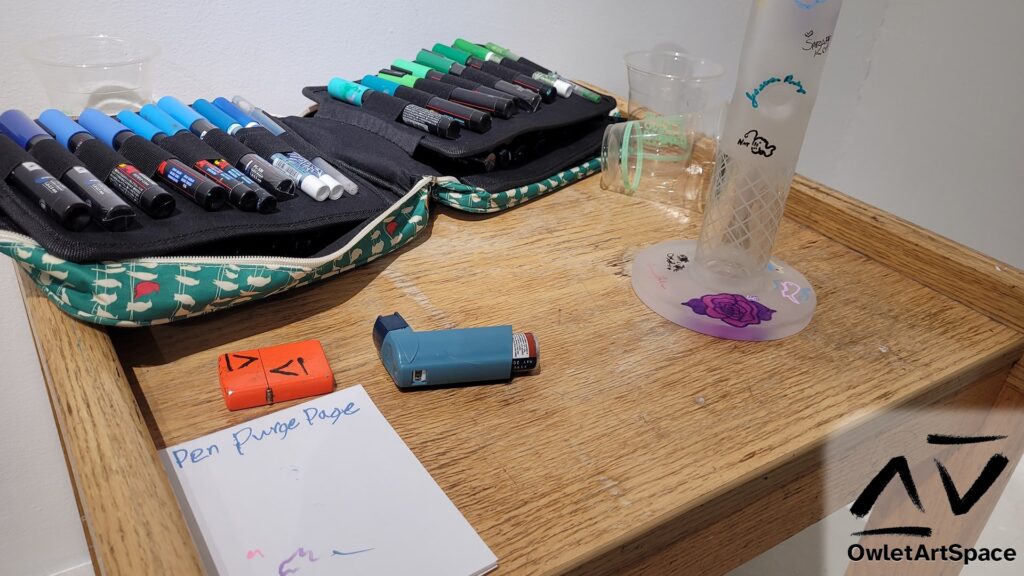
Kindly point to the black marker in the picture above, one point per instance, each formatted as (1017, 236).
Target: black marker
(249, 162)
(469, 85)
(152, 159)
(415, 75)
(412, 115)
(473, 119)
(119, 174)
(243, 193)
(524, 98)
(54, 198)
(108, 209)
(470, 54)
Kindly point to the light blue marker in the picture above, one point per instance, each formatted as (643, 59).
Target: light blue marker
(337, 190)
(306, 181)
(276, 129)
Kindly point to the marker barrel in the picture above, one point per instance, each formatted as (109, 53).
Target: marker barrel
(108, 209)
(191, 184)
(122, 176)
(469, 85)
(54, 198)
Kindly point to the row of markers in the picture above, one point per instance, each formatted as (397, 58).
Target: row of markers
(460, 86)
(211, 153)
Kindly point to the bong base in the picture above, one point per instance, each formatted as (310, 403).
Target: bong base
(777, 304)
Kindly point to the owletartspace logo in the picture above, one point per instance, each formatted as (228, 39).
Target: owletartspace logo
(960, 505)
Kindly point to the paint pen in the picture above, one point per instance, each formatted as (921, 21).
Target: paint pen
(468, 85)
(133, 140)
(334, 188)
(113, 168)
(412, 115)
(303, 180)
(235, 153)
(472, 119)
(507, 54)
(500, 107)
(483, 59)
(337, 186)
(561, 87)
(525, 99)
(54, 198)
(503, 108)
(276, 129)
(243, 193)
(107, 208)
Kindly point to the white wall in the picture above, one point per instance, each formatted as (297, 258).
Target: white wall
(917, 116)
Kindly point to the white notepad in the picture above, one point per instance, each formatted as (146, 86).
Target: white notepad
(324, 487)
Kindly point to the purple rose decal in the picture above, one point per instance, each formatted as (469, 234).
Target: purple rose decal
(733, 309)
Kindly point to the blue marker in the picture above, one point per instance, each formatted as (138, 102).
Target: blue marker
(445, 357)
(108, 209)
(162, 164)
(176, 139)
(307, 182)
(276, 129)
(244, 158)
(299, 160)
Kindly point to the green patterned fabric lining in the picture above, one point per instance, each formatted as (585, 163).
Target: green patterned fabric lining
(473, 199)
(147, 292)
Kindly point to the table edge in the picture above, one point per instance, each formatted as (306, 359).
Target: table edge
(923, 256)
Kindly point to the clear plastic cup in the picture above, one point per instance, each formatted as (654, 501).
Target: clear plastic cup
(666, 151)
(672, 83)
(97, 71)
(666, 159)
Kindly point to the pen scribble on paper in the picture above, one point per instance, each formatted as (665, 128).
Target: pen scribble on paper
(300, 553)
(340, 553)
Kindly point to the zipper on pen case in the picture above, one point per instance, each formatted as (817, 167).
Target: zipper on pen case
(261, 260)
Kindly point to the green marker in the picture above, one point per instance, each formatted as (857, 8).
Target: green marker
(477, 50)
(482, 59)
(547, 75)
(439, 61)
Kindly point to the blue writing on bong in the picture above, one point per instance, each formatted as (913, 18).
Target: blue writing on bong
(808, 4)
(752, 96)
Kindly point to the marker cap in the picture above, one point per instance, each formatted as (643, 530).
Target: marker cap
(452, 53)
(58, 124)
(413, 68)
(20, 127)
(231, 110)
(437, 63)
(348, 91)
(475, 49)
(432, 60)
(137, 124)
(381, 84)
(501, 51)
(405, 80)
(260, 116)
(178, 110)
(103, 127)
(161, 120)
(219, 118)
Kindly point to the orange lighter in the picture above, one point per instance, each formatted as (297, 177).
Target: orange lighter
(275, 374)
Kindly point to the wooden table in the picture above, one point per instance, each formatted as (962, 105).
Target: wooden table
(640, 447)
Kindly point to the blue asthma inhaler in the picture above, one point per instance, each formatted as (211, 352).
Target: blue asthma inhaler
(445, 357)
